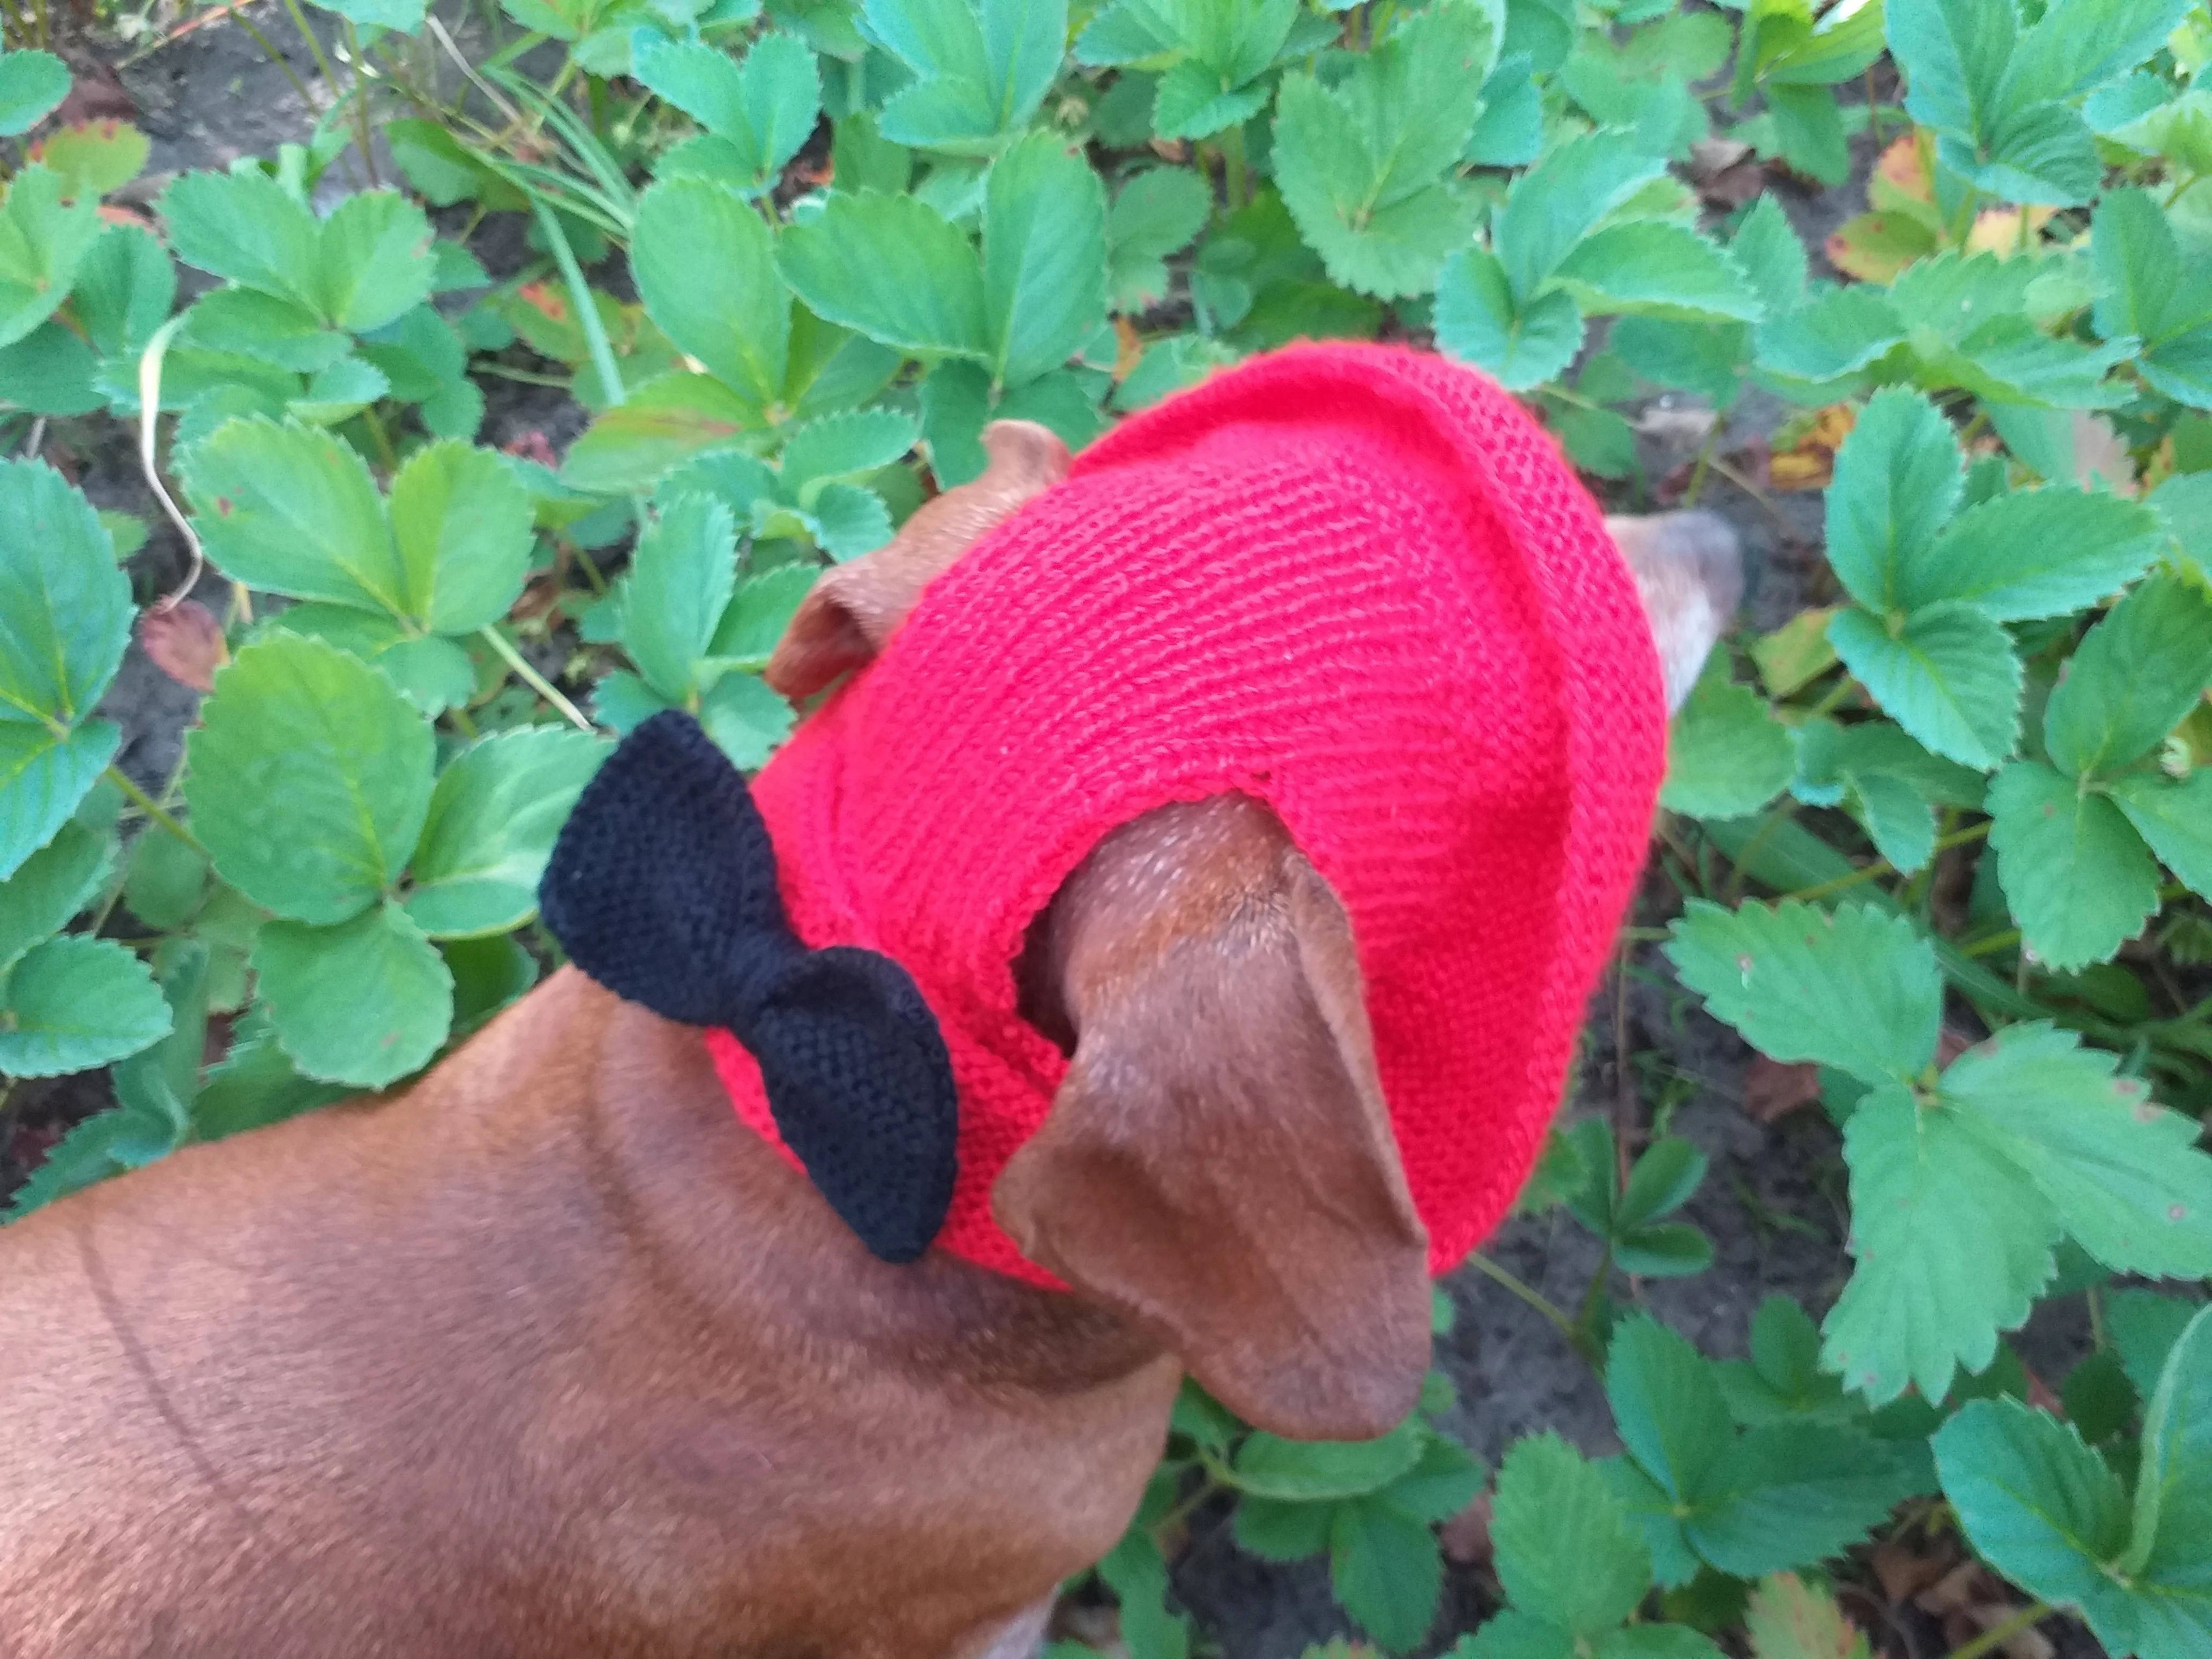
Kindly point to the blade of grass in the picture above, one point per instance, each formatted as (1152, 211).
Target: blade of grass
(580, 295)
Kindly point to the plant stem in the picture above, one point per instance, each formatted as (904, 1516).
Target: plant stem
(155, 811)
(1704, 462)
(381, 437)
(462, 720)
(1535, 1299)
(1233, 178)
(361, 127)
(314, 47)
(530, 677)
(1997, 1635)
(269, 50)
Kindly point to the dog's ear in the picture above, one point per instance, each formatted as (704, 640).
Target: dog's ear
(855, 609)
(1689, 572)
(1218, 1164)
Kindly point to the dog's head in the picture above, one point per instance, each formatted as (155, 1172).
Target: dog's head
(1218, 1164)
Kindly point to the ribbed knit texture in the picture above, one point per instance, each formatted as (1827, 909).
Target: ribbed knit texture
(1354, 581)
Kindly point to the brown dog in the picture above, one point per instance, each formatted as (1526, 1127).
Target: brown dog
(546, 1357)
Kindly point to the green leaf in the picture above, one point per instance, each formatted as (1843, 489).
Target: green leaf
(1386, 1569)
(680, 578)
(2078, 878)
(43, 240)
(843, 446)
(2037, 1503)
(1138, 1576)
(461, 520)
(746, 719)
(75, 1002)
(373, 260)
(1157, 212)
(1727, 756)
(1647, 267)
(124, 288)
(1277, 1531)
(2167, 1560)
(93, 157)
(2145, 1326)
(1478, 321)
(1789, 1494)
(1362, 165)
(1309, 1472)
(757, 614)
(1947, 675)
(1515, 1634)
(2132, 679)
(1045, 257)
(704, 266)
(54, 883)
(2123, 1176)
(2150, 290)
(1837, 332)
(1897, 480)
(667, 421)
(31, 87)
(982, 67)
(2073, 50)
(43, 777)
(1954, 53)
(434, 674)
(1564, 1552)
(1952, 1244)
(165, 880)
(1783, 1378)
(294, 511)
(491, 826)
(1558, 202)
(245, 227)
(1667, 1405)
(1853, 988)
(891, 268)
(363, 1003)
(309, 779)
(1444, 1479)
(1190, 102)
(2036, 153)
(2033, 553)
(66, 604)
(252, 324)
(764, 107)
(2175, 818)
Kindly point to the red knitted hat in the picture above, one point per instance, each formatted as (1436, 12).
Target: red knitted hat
(1356, 582)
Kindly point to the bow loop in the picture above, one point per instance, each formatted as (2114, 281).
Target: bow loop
(663, 888)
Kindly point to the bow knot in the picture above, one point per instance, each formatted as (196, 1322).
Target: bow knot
(663, 888)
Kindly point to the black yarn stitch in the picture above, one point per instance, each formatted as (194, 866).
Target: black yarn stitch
(663, 888)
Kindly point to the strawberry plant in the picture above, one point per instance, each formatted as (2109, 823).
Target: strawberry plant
(1942, 841)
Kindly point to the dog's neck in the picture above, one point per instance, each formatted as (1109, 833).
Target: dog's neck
(673, 1154)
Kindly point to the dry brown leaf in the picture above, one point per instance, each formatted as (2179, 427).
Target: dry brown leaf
(1807, 461)
(1466, 1537)
(1771, 1090)
(186, 643)
(1971, 1600)
(1904, 1571)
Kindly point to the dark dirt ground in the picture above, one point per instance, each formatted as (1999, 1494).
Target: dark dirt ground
(1772, 1203)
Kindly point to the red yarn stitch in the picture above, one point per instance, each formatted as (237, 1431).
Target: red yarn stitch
(1354, 581)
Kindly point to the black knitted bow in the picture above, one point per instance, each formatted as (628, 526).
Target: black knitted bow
(663, 889)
